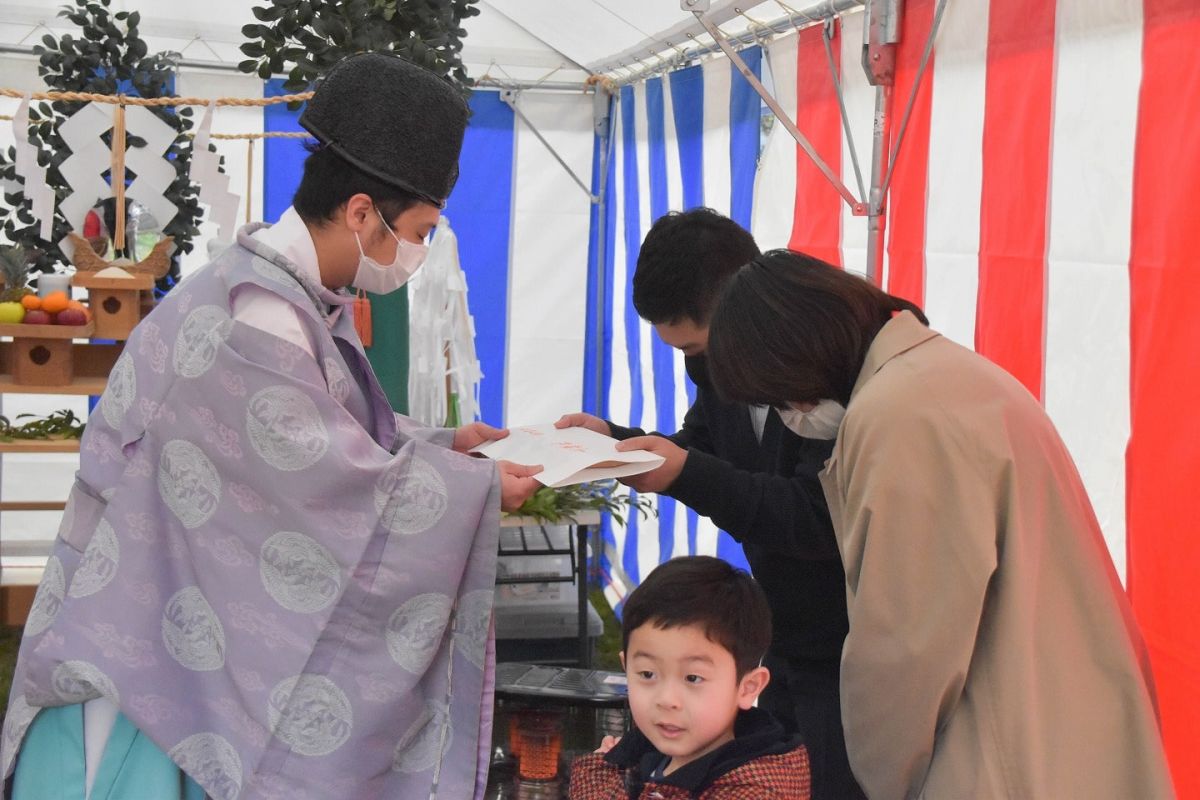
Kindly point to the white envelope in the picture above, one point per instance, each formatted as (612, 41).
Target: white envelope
(569, 455)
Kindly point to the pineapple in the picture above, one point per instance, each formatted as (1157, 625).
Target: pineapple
(14, 274)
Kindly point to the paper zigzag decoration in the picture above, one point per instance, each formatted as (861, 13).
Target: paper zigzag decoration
(84, 169)
(214, 185)
(90, 158)
(37, 191)
(154, 173)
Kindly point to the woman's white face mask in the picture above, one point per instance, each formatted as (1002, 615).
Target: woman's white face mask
(384, 279)
(820, 422)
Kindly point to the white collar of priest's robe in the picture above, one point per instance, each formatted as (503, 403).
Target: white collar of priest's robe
(328, 303)
(289, 237)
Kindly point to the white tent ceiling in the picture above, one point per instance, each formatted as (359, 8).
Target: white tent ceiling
(519, 41)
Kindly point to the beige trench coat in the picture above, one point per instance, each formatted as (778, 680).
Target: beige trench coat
(992, 651)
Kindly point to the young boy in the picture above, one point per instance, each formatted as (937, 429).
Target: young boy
(694, 634)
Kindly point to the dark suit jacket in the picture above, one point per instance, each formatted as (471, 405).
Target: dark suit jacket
(768, 497)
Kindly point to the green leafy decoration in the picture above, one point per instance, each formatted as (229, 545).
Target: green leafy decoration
(304, 38)
(58, 425)
(107, 51)
(558, 505)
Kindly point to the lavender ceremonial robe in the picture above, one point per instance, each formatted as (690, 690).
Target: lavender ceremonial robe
(284, 585)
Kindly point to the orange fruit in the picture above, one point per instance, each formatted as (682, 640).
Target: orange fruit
(76, 304)
(31, 302)
(55, 302)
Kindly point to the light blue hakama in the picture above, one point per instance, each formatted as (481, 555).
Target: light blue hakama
(51, 763)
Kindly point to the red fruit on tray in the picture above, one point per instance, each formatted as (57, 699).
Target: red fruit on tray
(71, 316)
(36, 317)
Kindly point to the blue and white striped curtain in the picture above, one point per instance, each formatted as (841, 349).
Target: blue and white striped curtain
(684, 140)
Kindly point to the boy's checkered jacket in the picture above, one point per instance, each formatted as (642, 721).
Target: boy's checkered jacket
(770, 777)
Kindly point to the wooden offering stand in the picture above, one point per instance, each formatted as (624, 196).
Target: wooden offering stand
(41, 355)
(116, 303)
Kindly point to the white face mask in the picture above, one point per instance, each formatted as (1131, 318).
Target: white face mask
(379, 279)
(820, 423)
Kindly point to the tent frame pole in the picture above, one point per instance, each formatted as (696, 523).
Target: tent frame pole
(633, 69)
(879, 61)
(882, 33)
(856, 205)
(827, 38)
(603, 117)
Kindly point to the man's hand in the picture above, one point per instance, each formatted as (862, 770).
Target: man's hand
(656, 480)
(476, 433)
(582, 420)
(516, 484)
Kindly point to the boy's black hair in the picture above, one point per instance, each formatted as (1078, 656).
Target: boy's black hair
(684, 263)
(724, 601)
(330, 180)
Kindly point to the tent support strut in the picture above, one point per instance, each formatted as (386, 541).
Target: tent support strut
(827, 37)
(856, 205)
(510, 98)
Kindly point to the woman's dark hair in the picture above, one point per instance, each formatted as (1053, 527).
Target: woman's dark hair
(684, 262)
(329, 181)
(725, 602)
(791, 328)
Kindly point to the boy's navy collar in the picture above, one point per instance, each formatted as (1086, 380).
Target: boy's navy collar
(756, 734)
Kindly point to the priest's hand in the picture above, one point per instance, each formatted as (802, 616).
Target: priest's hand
(475, 434)
(582, 420)
(516, 484)
(660, 479)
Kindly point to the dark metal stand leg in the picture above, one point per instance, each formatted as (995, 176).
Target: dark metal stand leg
(581, 583)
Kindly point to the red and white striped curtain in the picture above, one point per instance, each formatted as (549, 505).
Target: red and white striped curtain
(1042, 211)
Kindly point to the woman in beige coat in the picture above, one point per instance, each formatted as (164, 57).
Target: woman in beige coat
(992, 652)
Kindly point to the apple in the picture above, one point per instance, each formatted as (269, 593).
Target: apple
(71, 316)
(37, 317)
(11, 313)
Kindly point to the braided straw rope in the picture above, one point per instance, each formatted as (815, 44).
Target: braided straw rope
(261, 135)
(121, 99)
(127, 100)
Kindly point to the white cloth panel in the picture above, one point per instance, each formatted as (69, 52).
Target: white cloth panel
(675, 203)
(619, 388)
(956, 170)
(547, 312)
(648, 549)
(649, 420)
(674, 177)
(717, 82)
(1097, 75)
(775, 186)
(718, 77)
